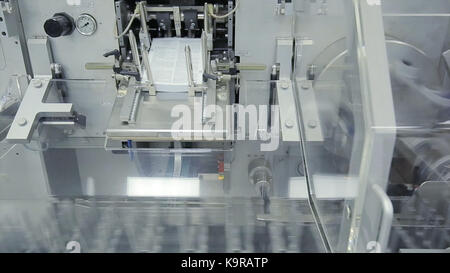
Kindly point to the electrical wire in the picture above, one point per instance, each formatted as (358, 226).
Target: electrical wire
(211, 12)
(135, 15)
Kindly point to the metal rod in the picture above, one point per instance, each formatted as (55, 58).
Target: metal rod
(170, 9)
(190, 73)
(205, 57)
(146, 61)
(153, 16)
(386, 220)
(134, 51)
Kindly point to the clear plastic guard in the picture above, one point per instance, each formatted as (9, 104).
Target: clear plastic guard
(149, 198)
(418, 55)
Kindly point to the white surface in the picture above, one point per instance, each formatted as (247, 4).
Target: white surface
(168, 63)
(326, 187)
(163, 187)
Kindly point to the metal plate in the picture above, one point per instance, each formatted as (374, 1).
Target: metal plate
(153, 118)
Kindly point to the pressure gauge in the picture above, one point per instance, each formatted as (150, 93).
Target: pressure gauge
(86, 24)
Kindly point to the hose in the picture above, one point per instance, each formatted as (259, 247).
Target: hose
(134, 16)
(211, 12)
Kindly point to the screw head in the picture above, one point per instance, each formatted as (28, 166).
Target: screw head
(122, 92)
(285, 84)
(222, 96)
(37, 83)
(22, 121)
(289, 123)
(305, 86)
(312, 124)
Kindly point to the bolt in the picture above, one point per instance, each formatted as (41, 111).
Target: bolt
(22, 121)
(285, 84)
(289, 123)
(312, 124)
(305, 85)
(37, 83)
(222, 96)
(122, 92)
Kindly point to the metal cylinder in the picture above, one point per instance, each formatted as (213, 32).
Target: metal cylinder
(260, 175)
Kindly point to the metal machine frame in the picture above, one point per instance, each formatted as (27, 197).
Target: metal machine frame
(84, 113)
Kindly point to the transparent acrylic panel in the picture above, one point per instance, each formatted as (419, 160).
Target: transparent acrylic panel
(81, 190)
(92, 102)
(133, 225)
(329, 91)
(10, 98)
(132, 202)
(418, 44)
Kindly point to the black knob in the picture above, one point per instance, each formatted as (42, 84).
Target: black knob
(59, 25)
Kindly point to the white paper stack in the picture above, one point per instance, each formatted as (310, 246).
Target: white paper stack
(168, 63)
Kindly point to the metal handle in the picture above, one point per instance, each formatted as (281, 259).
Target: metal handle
(388, 214)
(115, 53)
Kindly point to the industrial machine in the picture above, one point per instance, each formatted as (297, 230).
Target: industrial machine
(224, 126)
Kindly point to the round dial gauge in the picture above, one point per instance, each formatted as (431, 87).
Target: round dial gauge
(86, 24)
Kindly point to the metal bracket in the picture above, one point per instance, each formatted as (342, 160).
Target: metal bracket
(288, 116)
(285, 91)
(120, 18)
(33, 108)
(310, 113)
